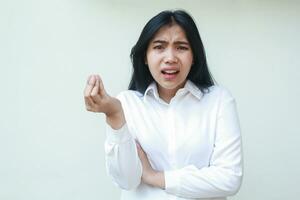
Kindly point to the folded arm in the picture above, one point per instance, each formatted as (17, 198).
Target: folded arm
(222, 177)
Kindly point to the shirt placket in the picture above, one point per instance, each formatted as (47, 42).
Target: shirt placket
(172, 141)
(172, 137)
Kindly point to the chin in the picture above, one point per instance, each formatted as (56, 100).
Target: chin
(170, 86)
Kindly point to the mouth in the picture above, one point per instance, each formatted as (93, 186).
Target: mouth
(169, 74)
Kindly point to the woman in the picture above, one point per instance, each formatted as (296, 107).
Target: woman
(173, 134)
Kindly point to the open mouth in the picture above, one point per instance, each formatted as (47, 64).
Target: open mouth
(170, 72)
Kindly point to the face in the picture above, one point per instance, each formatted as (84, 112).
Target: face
(169, 57)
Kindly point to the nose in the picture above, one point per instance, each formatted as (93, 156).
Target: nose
(170, 56)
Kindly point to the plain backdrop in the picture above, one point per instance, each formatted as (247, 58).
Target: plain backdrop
(51, 148)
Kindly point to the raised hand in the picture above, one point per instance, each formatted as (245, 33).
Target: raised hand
(97, 100)
(95, 96)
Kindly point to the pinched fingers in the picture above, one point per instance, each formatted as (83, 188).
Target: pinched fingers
(100, 86)
(89, 102)
(96, 97)
(95, 89)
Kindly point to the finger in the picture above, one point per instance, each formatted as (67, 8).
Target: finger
(88, 89)
(89, 86)
(91, 80)
(89, 103)
(101, 87)
(95, 93)
(95, 89)
(101, 91)
(88, 79)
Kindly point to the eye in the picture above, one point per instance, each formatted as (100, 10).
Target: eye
(158, 47)
(182, 48)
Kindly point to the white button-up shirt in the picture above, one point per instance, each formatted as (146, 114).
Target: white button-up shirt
(195, 140)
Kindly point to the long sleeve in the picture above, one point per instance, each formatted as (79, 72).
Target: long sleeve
(223, 176)
(122, 161)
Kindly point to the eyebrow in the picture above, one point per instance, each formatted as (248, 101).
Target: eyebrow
(176, 42)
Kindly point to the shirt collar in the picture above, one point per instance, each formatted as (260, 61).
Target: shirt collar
(189, 87)
(151, 89)
(192, 88)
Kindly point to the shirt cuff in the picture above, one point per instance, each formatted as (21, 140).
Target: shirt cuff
(172, 181)
(117, 135)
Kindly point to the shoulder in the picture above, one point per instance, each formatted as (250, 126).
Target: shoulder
(219, 92)
(129, 95)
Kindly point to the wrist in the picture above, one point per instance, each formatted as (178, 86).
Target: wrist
(115, 116)
(113, 107)
(116, 120)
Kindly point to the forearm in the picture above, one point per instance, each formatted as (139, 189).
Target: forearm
(150, 176)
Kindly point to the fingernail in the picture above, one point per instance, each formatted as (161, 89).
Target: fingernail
(92, 80)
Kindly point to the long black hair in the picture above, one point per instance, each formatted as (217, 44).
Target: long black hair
(199, 73)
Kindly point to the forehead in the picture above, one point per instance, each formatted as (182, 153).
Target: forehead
(171, 32)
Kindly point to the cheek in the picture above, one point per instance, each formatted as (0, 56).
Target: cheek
(188, 61)
(152, 58)
(190, 58)
(152, 68)
(153, 62)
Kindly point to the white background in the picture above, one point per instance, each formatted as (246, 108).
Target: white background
(51, 148)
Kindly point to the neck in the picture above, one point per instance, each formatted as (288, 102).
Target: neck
(167, 94)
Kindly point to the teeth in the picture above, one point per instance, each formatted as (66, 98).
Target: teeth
(169, 71)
